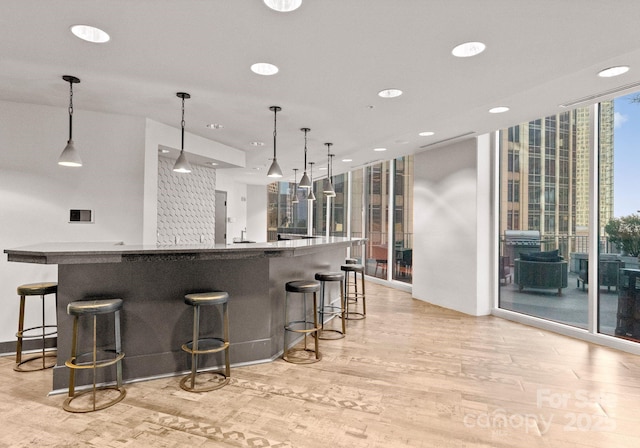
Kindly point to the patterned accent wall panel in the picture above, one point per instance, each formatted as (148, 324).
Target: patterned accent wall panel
(186, 204)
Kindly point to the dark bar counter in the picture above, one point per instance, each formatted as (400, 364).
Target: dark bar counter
(152, 282)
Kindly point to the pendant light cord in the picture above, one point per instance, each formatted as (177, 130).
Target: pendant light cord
(182, 124)
(305, 150)
(70, 110)
(275, 132)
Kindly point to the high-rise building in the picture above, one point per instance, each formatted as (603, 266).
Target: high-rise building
(545, 172)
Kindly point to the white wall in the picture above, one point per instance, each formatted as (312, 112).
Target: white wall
(236, 203)
(36, 193)
(451, 265)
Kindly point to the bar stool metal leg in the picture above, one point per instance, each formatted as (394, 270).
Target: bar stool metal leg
(324, 278)
(207, 345)
(92, 308)
(303, 355)
(26, 365)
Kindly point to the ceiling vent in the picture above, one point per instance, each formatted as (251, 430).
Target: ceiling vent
(596, 96)
(466, 134)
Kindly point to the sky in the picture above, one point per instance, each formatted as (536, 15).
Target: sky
(626, 174)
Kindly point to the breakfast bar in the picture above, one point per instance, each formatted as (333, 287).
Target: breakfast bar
(153, 280)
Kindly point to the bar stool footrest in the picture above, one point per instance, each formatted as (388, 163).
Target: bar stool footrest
(21, 334)
(206, 345)
(309, 327)
(73, 363)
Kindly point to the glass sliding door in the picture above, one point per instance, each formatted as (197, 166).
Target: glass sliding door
(544, 217)
(619, 226)
(403, 220)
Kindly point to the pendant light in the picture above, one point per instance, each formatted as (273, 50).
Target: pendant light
(328, 186)
(274, 169)
(70, 156)
(294, 200)
(311, 196)
(182, 164)
(304, 181)
(331, 156)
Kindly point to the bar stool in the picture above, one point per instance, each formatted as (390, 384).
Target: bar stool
(93, 308)
(205, 345)
(351, 292)
(35, 289)
(331, 310)
(303, 326)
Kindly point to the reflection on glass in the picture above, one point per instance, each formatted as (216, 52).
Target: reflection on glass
(403, 220)
(284, 217)
(356, 197)
(618, 265)
(376, 199)
(544, 216)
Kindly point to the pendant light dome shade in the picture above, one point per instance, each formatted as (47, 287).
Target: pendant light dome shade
(305, 182)
(70, 156)
(182, 165)
(311, 196)
(274, 169)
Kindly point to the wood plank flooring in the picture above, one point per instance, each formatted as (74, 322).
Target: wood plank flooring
(409, 375)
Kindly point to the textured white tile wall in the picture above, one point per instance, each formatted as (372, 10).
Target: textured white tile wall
(186, 204)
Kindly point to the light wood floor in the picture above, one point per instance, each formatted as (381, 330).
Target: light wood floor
(410, 375)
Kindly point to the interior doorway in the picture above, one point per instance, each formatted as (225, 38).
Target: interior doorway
(221, 217)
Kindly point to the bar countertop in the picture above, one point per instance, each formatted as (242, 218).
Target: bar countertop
(117, 252)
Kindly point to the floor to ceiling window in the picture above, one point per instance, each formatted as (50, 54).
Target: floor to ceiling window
(375, 202)
(544, 216)
(618, 263)
(403, 219)
(356, 211)
(547, 225)
(376, 205)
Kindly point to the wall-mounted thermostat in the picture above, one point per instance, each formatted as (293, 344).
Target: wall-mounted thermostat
(80, 215)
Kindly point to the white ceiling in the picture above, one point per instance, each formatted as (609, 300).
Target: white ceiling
(334, 56)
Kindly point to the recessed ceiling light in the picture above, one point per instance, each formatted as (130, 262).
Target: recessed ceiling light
(426, 134)
(468, 49)
(283, 5)
(90, 34)
(257, 168)
(264, 69)
(215, 126)
(379, 149)
(347, 160)
(257, 143)
(613, 71)
(163, 151)
(212, 163)
(498, 110)
(322, 168)
(390, 93)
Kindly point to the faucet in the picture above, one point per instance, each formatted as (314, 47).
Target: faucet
(242, 234)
